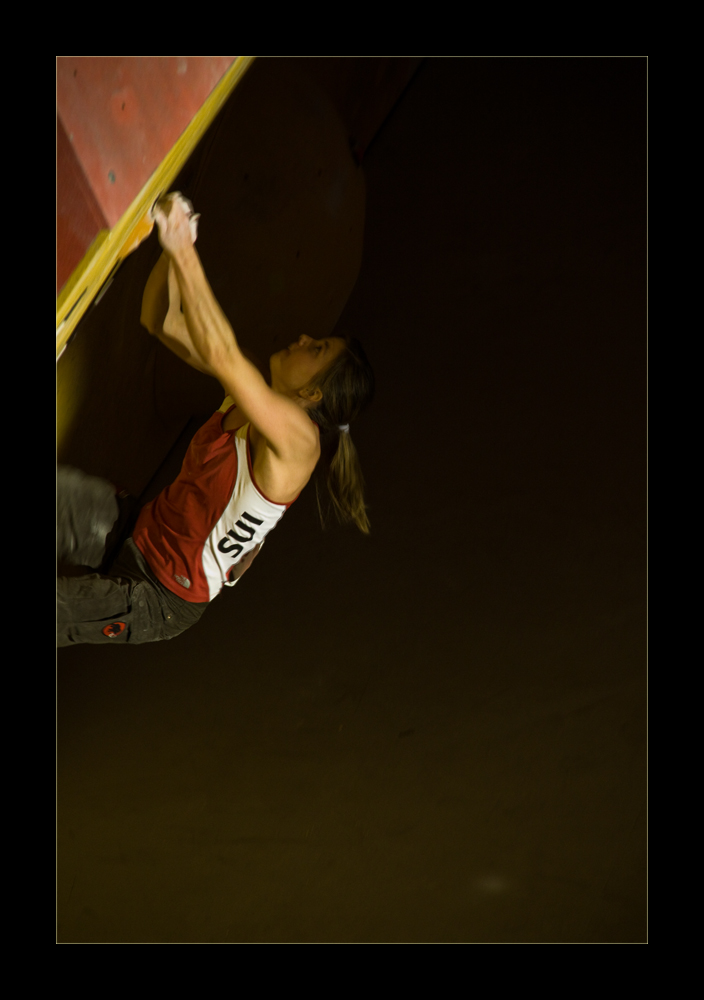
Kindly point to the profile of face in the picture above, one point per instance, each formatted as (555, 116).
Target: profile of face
(295, 366)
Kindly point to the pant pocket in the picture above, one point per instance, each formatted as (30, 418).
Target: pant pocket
(115, 632)
(146, 622)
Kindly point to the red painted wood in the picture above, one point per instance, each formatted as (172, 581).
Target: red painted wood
(122, 115)
(78, 214)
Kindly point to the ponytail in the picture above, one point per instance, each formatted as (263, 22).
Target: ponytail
(345, 484)
(347, 387)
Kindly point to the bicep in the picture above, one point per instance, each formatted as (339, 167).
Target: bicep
(285, 426)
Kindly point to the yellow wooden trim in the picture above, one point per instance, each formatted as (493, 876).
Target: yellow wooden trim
(110, 246)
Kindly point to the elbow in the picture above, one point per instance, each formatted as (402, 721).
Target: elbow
(148, 317)
(147, 322)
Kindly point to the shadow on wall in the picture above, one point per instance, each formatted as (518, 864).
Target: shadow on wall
(282, 204)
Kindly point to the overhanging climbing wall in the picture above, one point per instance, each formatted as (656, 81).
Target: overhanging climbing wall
(278, 181)
(125, 127)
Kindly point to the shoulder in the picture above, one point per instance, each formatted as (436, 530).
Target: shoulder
(281, 478)
(233, 418)
(302, 448)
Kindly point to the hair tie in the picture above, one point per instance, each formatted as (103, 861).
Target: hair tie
(343, 428)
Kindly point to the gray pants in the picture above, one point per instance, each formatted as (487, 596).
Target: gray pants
(125, 604)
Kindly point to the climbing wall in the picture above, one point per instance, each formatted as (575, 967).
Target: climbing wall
(282, 203)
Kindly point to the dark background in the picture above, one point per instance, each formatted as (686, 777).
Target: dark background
(437, 733)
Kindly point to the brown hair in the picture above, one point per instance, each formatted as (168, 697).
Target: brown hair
(348, 388)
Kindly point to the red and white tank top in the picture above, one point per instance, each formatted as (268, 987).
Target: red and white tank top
(199, 528)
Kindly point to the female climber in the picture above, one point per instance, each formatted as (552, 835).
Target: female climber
(244, 468)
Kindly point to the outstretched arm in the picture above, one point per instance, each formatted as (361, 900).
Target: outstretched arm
(155, 300)
(163, 318)
(161, 309)
(157, 291)
(281, 421)
(175, 334)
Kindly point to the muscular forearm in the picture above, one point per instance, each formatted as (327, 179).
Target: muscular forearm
(155, 300)
(178, 342)
(202, 326)
(175, 334)
(212, 336)
(161, 314)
